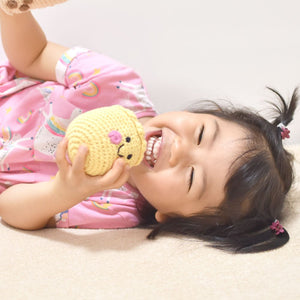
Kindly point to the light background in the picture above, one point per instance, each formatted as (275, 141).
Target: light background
(191, 49)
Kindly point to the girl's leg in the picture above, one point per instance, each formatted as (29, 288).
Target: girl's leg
(27, 48)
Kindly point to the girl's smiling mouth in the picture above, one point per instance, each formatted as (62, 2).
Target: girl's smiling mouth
(154, 141)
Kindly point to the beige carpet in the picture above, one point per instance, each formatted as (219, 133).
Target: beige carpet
(122, 264)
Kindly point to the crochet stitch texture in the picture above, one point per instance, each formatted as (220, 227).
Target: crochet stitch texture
(19, 6)
(109, 133)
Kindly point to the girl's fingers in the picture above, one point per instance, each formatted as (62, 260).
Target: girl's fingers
(122, 179)
(60, 154)
(79, 161)
(116, 174)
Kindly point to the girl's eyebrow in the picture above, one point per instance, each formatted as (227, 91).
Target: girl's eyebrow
(216, 133)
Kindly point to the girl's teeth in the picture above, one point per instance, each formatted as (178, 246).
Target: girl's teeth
(153, 150)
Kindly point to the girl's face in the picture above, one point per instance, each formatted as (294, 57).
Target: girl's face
(186, 165)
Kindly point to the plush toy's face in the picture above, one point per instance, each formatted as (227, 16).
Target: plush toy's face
(129, 141)
(109, 132)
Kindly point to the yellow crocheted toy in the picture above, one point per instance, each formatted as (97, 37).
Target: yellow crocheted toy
(19, 6)
(109, 132)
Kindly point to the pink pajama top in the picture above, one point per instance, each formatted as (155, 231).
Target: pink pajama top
(34, 116)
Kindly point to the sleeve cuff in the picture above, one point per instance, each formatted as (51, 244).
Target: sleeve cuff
(65, 60)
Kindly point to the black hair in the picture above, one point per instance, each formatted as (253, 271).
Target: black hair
(256, 189)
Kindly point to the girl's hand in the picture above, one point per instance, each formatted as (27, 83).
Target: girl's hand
(71, 182)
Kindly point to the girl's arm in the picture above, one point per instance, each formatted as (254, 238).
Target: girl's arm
(27, 48)
(32, 206)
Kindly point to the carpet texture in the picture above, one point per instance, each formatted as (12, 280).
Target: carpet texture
(122, 264)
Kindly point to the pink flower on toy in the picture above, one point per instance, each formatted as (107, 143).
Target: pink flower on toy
(277, 227)
(115, 137)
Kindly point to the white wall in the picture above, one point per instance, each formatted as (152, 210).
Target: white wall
(191, 49)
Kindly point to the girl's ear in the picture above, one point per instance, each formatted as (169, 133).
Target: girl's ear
(160, 217)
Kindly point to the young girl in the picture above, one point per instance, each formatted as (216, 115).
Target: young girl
(219, 174)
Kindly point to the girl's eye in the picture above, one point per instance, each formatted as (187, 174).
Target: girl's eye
(191, 178)
(200, 135)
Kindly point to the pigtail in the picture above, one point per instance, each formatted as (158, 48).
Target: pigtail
(251, 235)
(285, 111)
(245, 236)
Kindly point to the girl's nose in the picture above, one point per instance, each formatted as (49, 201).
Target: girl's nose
(179, 152)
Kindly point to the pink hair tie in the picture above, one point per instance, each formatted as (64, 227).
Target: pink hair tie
(277, 227)
(285, 133)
